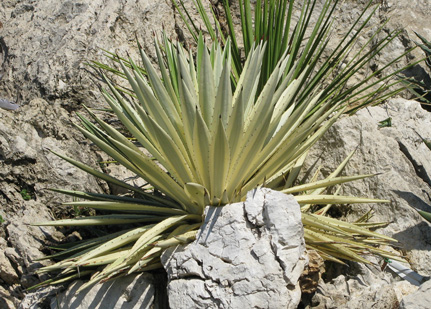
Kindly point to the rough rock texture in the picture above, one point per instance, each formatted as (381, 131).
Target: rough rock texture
(43, 49)
(402, 16)
(247, 255)
(399, 154)
(49, 42)
(26, 135)
(312, 273)
(40, 299)
(125, 293)
(360, 286)
(421, 299)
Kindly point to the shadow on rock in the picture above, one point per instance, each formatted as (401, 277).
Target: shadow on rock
(417, 237)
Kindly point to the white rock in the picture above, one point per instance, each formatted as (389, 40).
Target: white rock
(130, 292)
(401, 157)
(362, 287)
(241, 258)
(418, 300)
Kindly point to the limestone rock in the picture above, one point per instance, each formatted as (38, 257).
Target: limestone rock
(44, 46)
(125, 293)
(49, 42)
(247, 255)
(362, 287)
(399, 154)
(6, 300)
(41, 298)
(421, 299)
(27, 169)
(7, 272)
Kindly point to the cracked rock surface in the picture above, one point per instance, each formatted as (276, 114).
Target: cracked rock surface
(421, 299)
(44, 46)
(402, 159)
(128, 292)
(246, 255)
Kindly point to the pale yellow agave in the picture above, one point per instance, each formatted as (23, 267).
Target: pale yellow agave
(209, 144)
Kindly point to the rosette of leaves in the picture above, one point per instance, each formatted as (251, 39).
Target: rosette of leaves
(199, 140)
(304, 37)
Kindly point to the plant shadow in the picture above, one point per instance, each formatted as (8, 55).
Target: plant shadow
(418, 236)
(207, 226)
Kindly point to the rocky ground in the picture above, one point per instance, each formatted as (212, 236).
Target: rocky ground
(44, 47)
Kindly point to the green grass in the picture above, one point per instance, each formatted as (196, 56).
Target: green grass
(25, 195)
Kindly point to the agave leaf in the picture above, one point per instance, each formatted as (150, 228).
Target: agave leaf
(102, 175)
(188, 110)
(109, 197)
(150, 171)
(143, 263)
(335, 199)
(197, 194)
(62, 280)
(125, 207)
(115, 243)
(325, 183)
(106, 259)
(426, 215)
(372, 225)
(180, 235)
(323, 210)
(101, 220)
(83, 244)
(335, 173)
(171, 88)
(139, 248)
(160, 91)
(223, 100)
(201, 151)
(310, 221)
(219, 163)
(294, 172)
(335, 249)
(351, 227)
(176, 159)
(206, 88)
(155, 230)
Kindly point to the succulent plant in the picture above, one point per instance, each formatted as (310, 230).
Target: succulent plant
(421, 88)
(202, 133)
(305, 39)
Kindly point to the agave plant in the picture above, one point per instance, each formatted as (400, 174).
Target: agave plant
(421, 88)
(273, 22)
(199, 140)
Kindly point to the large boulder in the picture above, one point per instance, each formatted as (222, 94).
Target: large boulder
(247, 255)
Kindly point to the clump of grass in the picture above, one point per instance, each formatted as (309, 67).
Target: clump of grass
(25, 195)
